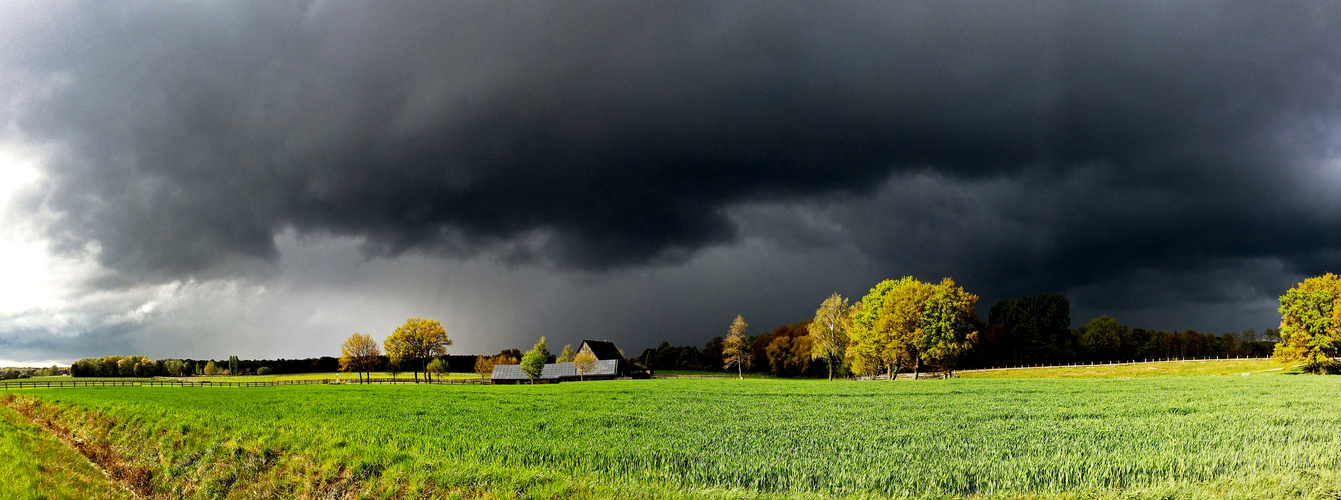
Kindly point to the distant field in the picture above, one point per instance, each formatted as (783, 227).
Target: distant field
(1154, 437)
(316, 376)
(1236, 367)
(709, 374)
(266, 378)
(34, 464)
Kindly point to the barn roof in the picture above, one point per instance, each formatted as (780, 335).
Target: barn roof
(557, 371)
(603, 349)
(603, 367)
(508, 372)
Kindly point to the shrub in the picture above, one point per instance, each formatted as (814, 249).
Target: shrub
(264, 370)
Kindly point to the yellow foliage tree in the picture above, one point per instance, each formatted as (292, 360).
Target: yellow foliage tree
(359, 354)
(415, 342)
(484, 366)
(830, 330)
(735, 350)
(584, 362)
(1310, 322)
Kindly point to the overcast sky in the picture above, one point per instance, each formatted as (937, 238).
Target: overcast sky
(204, 179)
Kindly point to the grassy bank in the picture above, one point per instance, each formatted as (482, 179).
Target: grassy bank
(37, 465)
(1156, 437)
(1217, 367)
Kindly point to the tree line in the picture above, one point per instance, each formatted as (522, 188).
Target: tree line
(906, 325)
(141, 366)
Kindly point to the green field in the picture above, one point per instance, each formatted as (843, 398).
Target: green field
(34, 464)
(1218, 367)
(1154, 437)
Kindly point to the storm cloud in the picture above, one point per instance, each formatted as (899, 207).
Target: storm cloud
(1156, 159)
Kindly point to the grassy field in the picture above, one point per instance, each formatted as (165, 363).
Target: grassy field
(34, 464)
(1219, 367)
(1154, 437)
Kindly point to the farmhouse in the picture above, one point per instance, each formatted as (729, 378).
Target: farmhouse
(610, 364)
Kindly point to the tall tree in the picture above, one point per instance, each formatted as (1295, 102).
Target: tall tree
(533, 362)
(359, 354)
(829, 331)
(735, 349)
(484, 366)
(869, 334)
(947, 325)
(1101, 338)
(415, 342)
(779, 355)
(900, 323)
(1310, 322)
(1031, 329)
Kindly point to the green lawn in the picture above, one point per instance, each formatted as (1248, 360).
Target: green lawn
(1154, 437)
(34, 464)
(1219, 367)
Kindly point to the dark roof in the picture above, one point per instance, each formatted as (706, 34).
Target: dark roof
(558, 371)
(604, 367)
(508, 372)
(603, 349)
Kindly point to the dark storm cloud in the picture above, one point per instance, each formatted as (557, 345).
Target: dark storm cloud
(1106, 139)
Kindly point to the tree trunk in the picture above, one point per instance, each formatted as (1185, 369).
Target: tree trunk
(917, 367)
(740, 370)
(831, 368)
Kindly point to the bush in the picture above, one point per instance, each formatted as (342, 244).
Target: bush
(264, 370)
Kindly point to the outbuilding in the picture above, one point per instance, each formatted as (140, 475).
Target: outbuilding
(610, 364)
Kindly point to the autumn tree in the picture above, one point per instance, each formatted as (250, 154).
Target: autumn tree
(829, 331)
(1310, 320)
(359, 354)
(415, 342)
(946, 328)
(790, 355)
(484, 366)
(584, 362)
(211, 368)
(779, 350)
(533, 362)
(567, 354)
(886, 325)
(735, 350)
